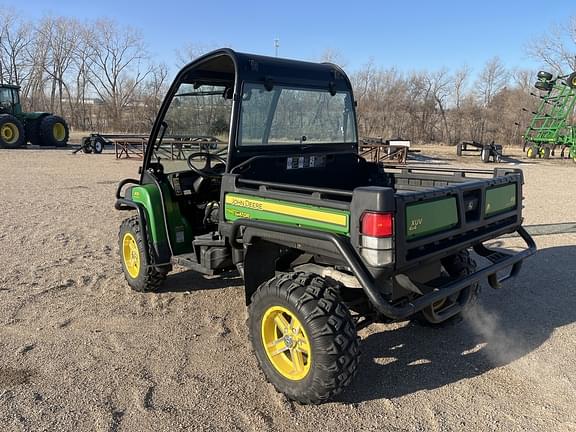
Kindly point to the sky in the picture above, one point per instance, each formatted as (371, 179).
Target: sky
(409, 35)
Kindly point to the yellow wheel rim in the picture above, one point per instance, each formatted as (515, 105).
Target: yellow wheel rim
(59, 131)
(574, 82)
(529, 152)
(9, 133)
(286, 343)
(131, 255)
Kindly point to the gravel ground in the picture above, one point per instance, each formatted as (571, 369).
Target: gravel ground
(80, 351)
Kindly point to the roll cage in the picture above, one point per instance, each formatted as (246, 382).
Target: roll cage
(232, 70)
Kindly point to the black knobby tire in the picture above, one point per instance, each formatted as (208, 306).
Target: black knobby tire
(456, 266)
(149, 278)
(86, 146)
(571, 81)
(498, 153)
(331, 332)
(544, 86)
(546, 151)
(53, 131)
(485, 154)
(459, 149)
(544, 75)
(11, 132)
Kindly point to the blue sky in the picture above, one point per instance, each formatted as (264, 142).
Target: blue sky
(410, 35)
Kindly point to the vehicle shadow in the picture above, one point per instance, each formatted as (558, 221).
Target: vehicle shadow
(190, 280)
(505, 326)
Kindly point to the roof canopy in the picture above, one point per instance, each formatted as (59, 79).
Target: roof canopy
(226, 65)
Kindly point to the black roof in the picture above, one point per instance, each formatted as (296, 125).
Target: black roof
(229, 64)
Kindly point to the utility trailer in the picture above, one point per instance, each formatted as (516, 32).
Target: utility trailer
(325, 241)
(486, 152)
(552, 124)
(380, 150)
(134, 145)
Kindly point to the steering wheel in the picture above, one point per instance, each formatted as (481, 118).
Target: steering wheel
(207, 171)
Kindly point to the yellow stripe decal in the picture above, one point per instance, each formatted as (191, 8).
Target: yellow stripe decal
(285, 209)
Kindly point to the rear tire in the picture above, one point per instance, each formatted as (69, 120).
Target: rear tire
(485, 154)
(456, 266)
(498, 153)
(54, 131)
(546, 152)
(139, 273)
(11, 132)
(97, 146)
(304, 337)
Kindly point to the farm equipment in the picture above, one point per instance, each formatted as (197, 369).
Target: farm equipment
(486, 151)
(326, 241)
(130, 145)
(552, 123)
(379, 150)
(18, 127)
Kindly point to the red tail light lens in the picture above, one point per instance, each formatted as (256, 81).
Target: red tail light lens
(375, 224)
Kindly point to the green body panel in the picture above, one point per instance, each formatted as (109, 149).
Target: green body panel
(431, 217)
(239, 206)
(180, 231)
(500, 199)
(29, 116)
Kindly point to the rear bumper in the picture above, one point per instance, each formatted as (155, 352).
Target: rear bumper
(499, 261)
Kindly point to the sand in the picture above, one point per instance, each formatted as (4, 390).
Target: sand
(80, 351)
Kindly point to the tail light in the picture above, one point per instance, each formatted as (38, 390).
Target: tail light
(377, 230)
(375, 224)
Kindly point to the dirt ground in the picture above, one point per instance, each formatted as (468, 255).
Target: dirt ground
(80, 351)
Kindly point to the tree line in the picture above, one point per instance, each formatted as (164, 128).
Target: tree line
(97, 74)
(100, 77)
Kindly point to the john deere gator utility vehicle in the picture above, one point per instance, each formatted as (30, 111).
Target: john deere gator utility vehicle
(552, 124)
(18, 127)
(325, 241)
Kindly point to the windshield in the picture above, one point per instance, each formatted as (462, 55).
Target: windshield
(287, 115)
(198, 119)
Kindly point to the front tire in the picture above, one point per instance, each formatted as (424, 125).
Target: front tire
(11, 132)
(532, 152)
(304, 337)
(139, 273)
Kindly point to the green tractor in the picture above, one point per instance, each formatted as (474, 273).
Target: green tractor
(18, 127)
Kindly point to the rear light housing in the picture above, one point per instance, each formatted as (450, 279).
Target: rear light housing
(377, 231)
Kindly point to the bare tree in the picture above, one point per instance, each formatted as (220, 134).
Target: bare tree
(191, 51)
(61, 37)
(557, 48)
(119, 64)
(15, 36)
(332, 55)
